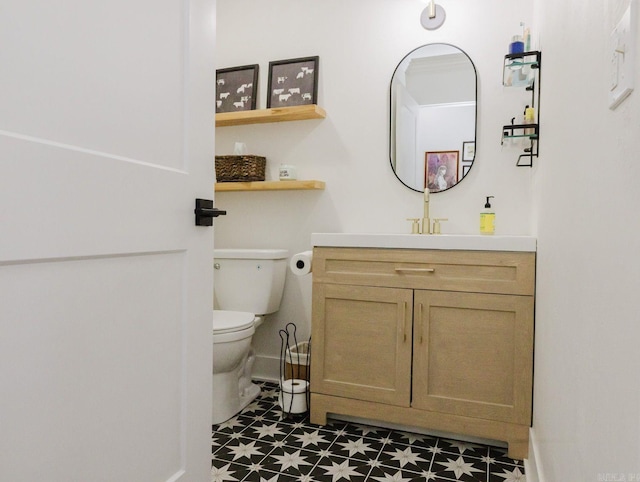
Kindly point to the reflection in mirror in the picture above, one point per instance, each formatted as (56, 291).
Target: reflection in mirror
(433, 117)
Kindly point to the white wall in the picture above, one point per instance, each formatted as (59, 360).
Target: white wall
(586, 197)
(359, 45)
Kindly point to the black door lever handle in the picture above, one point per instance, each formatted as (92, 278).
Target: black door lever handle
(205, 212)
(211, 213)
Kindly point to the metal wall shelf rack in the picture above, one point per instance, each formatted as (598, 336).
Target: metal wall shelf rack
(523, 70)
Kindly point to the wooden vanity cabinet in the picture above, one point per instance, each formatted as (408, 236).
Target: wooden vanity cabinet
(428, 338)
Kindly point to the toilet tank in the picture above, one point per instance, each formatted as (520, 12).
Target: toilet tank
(249, 279)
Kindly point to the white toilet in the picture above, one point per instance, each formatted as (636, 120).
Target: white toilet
(248, 283)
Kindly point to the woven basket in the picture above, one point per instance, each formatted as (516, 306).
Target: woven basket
(240, 168)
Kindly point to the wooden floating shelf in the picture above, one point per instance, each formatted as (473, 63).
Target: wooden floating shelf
(263, 116)
(269, 186)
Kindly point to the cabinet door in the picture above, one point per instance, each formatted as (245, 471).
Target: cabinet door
(473, 355)
(361, 342)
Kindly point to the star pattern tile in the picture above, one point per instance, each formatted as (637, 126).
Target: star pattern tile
(261, 444)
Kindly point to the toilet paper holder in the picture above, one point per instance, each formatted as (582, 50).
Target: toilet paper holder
(294, 394)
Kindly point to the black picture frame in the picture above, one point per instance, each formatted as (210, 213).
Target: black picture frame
(468, 150)
(293, 82)
(236, 88)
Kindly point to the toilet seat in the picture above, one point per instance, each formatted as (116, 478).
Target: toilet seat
(229, 321)
(232, 325)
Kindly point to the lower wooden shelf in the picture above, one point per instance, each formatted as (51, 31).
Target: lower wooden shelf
(269, 186)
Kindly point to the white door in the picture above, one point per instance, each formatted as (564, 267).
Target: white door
(106, 139)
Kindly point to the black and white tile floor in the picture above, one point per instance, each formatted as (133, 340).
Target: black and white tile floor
(261, 445)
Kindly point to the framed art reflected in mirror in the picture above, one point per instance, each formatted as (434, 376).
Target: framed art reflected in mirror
(441, 170)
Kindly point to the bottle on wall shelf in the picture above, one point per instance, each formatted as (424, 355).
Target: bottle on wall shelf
(529, 118)
(517, 45)
(529, 115)
(487, 218)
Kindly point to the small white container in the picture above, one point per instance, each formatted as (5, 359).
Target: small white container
(288, 172)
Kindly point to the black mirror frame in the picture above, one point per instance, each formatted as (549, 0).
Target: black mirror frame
(390, 107)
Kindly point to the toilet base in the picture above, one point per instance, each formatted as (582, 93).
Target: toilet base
(228, 401)
(234, 390)
(250, 394)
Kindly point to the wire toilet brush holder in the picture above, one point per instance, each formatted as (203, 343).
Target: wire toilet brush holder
(294, 372)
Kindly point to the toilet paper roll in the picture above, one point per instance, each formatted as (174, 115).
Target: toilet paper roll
(300, 264)
(293, 396)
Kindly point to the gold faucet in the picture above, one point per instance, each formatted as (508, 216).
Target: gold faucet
(426, 222)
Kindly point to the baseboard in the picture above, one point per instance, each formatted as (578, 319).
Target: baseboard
(533, 465)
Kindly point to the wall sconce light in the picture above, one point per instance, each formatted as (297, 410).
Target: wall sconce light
(433, 16)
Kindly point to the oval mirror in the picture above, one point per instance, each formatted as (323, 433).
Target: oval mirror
(432, 135)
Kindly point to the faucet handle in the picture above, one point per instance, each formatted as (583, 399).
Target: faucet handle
(415, 227)
(436, 224)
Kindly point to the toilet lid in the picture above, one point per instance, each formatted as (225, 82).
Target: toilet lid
(230, 321)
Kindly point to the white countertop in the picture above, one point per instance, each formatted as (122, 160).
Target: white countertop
(421, 241)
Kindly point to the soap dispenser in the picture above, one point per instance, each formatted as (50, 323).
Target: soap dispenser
(487, 218)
